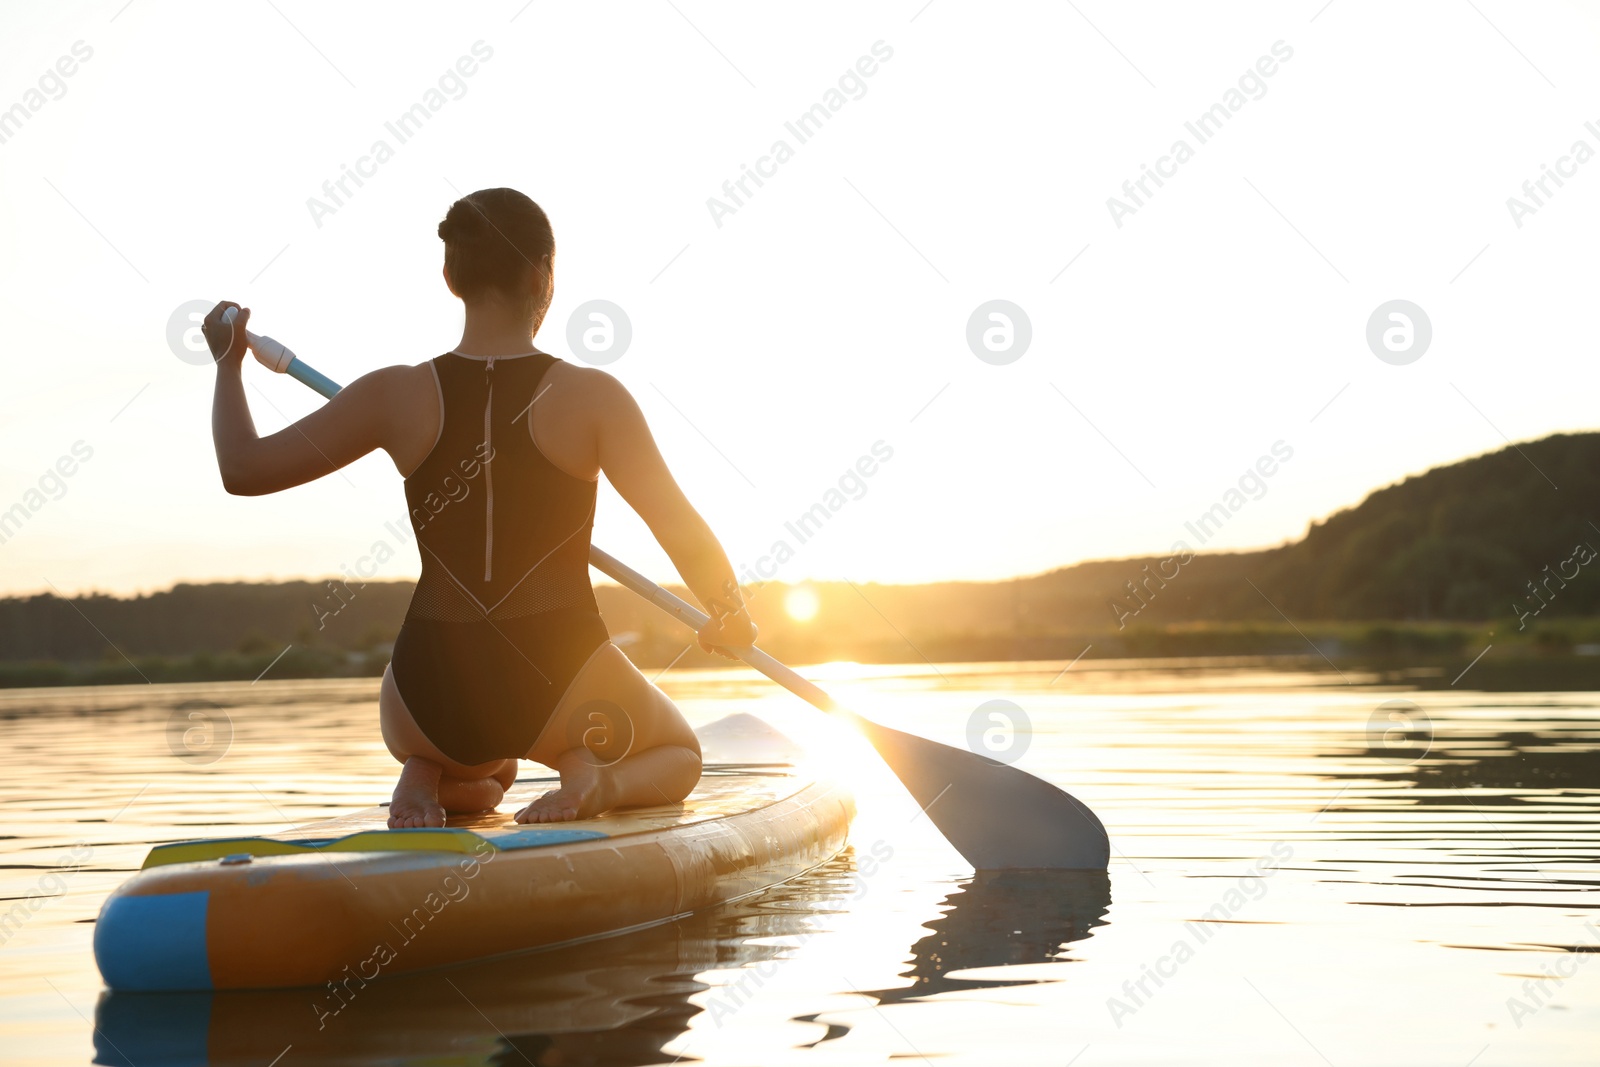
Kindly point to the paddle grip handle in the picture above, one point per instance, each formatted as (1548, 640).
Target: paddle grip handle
(271, 354)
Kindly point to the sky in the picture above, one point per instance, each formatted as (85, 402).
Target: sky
(956, 266)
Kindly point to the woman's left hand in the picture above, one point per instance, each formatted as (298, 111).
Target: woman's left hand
(731, 630)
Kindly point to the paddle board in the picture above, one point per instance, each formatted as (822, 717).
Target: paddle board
(343, 902)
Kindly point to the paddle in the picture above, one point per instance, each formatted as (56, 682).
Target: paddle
(997, 816)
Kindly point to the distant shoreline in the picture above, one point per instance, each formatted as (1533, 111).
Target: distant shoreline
(1421, 655)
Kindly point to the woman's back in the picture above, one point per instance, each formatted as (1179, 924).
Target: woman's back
(502, 529)
(503, 616)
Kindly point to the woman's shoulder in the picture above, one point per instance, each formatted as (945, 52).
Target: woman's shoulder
(580, 384)
(394, 381)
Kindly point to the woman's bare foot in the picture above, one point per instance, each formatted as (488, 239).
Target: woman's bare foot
(416, 796)
(584, 792)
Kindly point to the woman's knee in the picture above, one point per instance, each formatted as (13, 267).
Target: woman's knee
(692, 762)
(674, 770)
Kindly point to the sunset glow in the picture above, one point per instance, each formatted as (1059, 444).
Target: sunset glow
(801, 604)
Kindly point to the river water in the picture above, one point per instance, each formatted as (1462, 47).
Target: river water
(1306, 870)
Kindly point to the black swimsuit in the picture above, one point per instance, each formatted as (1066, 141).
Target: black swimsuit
(503, 616)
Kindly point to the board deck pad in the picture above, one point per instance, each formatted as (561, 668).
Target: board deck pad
(722, 791)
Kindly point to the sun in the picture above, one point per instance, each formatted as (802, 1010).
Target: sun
(801, 604)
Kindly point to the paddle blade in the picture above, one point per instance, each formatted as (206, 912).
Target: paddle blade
(997, 817)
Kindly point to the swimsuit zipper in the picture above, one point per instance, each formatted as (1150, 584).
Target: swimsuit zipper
(488, 475)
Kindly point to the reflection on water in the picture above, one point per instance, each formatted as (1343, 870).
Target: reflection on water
(1002, 919)
(1435, 898)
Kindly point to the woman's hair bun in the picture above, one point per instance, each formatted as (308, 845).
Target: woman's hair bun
(462, 224)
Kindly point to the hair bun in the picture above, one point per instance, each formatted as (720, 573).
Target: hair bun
(463, 223)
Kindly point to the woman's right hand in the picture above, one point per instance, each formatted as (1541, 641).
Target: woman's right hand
(227, 341)
(734, 629)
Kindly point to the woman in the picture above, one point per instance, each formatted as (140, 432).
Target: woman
(502, 655)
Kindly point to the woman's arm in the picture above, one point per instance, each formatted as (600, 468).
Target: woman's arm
(340, 432)
(631, 461)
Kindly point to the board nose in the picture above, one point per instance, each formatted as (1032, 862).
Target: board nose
(153, 942)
